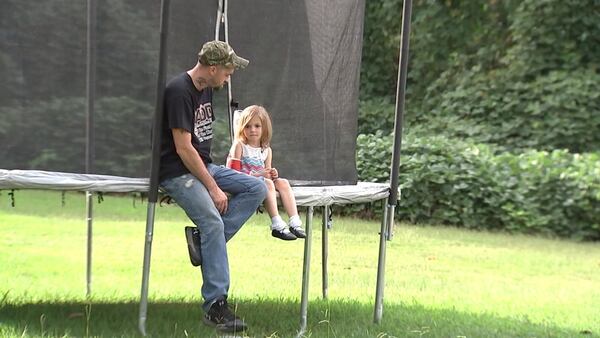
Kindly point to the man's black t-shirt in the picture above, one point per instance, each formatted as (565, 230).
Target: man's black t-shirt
(187, 108)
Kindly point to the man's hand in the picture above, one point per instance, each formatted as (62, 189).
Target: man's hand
(219, 198)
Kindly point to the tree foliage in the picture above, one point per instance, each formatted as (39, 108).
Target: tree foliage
(444, 34)
(51, 55)
(517, 74)
(121, 149)
(557, 110)
(552, 35)
(43, 62)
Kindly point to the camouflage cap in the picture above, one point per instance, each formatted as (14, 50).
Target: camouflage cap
(220, 53)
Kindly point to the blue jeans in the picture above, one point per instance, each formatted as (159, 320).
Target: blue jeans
(247, 193)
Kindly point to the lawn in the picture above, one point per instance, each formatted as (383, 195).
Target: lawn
(440, 281)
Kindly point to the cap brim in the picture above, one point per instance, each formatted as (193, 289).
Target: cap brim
(239, 62)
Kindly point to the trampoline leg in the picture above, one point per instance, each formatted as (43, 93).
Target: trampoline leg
(388, 218)
(219, 20)
(325, 249)
(146, 268)
(306, 273)
(90, 220)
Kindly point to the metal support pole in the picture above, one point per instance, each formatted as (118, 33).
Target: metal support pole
(387, 226)
(225, 25)
(146, 269)
(218, 21)
(325, 249)
(400, 98)
(389, 230)
(306, 273)
(229, 88)
(222, 20)
(89, 130)
(155, 164)
(388, 215)
(89, 218)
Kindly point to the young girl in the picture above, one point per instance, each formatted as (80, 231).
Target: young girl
(251, 148)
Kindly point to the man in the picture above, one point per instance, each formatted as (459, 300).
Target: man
(198, 186)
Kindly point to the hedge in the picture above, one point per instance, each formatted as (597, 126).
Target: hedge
(453, 182)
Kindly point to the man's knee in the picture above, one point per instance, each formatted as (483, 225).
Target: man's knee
(212, 227)
(260, 188)
(206, 217)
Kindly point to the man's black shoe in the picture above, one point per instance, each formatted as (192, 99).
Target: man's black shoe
(220, 317)
(192, 236)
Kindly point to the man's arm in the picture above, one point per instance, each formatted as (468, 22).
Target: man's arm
(193, 162)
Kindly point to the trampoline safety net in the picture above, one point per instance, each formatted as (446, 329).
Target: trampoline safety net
(304, 68)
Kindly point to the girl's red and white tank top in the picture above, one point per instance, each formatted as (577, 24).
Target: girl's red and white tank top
(253, 159)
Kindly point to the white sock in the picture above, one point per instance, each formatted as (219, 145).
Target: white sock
(295, 221)
(277, 223)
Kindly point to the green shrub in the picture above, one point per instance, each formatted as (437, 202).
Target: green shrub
(375, 115)
(561, 189)
(463, 184)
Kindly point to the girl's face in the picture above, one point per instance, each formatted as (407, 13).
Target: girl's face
(253, 131)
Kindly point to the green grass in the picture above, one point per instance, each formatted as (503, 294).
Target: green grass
(440, 282)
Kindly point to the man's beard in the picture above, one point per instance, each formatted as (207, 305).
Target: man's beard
(216, 85)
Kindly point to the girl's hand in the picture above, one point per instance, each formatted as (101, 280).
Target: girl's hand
(266, 173)
(274, 174)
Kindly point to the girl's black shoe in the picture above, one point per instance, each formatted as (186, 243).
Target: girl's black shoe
(284, 234)
(298, 232)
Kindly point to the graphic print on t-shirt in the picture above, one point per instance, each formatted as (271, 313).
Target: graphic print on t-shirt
(203, 117)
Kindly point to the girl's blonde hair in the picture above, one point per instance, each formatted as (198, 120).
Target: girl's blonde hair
(248, 114)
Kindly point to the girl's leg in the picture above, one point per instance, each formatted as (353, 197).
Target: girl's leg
(271, 199)
(287, 196)
(289, 203)
(278, 227)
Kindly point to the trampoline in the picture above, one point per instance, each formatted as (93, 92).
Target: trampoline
(317, 108)
(308, 196)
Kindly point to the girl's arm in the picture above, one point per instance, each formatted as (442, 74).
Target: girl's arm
(234, 153)
(236, 150)
(273, 174)
(268, 160)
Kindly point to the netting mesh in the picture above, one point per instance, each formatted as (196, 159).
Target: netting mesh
(305, 60)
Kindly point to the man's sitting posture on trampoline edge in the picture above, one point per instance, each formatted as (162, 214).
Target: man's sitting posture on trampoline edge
(198, 186)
